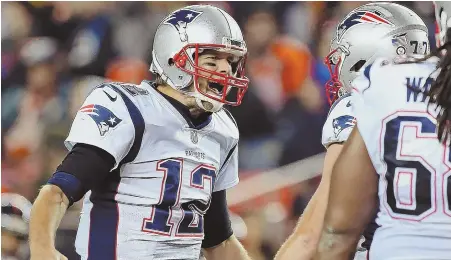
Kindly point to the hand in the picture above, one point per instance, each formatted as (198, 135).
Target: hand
(50, 254)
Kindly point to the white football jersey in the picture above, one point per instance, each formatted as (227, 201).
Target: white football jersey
(152, 204)
(339, 122)
(399, 130)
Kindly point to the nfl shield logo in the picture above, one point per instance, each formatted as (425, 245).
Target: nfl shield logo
(194, 137)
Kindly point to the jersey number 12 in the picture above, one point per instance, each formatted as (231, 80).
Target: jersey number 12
(191, 224)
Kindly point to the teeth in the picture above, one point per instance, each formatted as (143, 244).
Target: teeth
(214, 90)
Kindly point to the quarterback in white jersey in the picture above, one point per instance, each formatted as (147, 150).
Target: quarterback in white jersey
(400, 150)
(368, 32)
(153, 160)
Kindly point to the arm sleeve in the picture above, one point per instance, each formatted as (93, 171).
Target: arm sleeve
(84, 167)
(217, 225)
(228, 173)
(105, 122)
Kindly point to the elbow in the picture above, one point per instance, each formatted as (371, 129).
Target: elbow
(53, 194)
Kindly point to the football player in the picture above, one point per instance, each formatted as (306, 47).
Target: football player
(401, 107)
(366, 33)
(153, 161)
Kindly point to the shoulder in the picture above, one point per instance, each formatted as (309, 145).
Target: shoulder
(135, 97)
(226, 122)
(124, 101)
(341, 106)
(133, 89)
(127, 90)
(339, 122)
(386, 72)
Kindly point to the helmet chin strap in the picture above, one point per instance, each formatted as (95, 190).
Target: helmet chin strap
(206, 103)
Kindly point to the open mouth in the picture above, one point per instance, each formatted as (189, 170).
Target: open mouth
(216, 88)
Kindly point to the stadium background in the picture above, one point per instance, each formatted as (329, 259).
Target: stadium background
(54, 53)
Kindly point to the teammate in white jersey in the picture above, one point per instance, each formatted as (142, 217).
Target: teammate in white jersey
(153, 161)
(402, 135)
(366, 33)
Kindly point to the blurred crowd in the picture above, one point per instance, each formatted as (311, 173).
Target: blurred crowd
(55, 53)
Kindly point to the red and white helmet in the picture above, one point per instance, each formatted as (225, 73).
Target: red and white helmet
(367, 33)
(183, 36)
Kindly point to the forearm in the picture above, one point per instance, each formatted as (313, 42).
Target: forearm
(336, 244)
(352, 201)
(229, 249)
(46, 214)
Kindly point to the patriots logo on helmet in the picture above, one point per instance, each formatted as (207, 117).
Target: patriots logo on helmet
(180, 19)
(342, 122)
(360, 17)
(104, 118)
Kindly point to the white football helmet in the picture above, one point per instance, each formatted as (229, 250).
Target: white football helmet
(367, 33)
(180, 39)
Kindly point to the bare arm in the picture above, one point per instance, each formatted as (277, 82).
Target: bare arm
(352, 201)
(46, 214)
(229, 249)
(303, 241)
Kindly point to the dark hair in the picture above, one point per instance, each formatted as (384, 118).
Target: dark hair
(440, 90)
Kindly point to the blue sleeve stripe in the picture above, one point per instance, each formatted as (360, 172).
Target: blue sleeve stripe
(69, 184)
(104, 215)
(138, 123)
(366, 72)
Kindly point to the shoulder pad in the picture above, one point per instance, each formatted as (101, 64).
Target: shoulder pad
(339, 122)
(131, 89)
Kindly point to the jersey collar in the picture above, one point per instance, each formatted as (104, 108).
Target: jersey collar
(197, 123)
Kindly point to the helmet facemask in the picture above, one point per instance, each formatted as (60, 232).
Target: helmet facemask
(224, 88)
(334, 63)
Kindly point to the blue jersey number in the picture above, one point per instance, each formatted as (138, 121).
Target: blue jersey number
(160, 221)
(413, 174)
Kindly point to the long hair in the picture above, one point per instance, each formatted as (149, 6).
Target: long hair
(440, 91)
